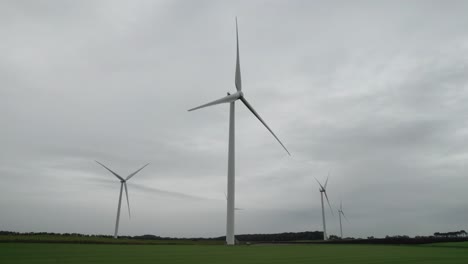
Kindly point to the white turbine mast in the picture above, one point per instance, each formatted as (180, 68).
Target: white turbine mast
(231, 99)
(323, 191)
(235, 208)
(123, 183)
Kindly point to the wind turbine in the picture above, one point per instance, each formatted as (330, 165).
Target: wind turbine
(340, 212)
(323, 191)
(123, 183)
(231, 99)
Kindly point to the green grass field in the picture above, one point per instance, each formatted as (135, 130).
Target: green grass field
(450, 245)
(139, 254)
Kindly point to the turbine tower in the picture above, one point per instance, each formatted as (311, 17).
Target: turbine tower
(231, 99)
(123, 183)
(235, 208)
(323, 191)
(340, 212)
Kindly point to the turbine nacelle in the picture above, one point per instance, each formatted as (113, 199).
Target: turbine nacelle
(238, 93)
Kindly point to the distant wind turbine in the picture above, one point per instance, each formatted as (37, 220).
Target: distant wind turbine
(323, 191)
(231, 99)
(123, 183)
(340, 212)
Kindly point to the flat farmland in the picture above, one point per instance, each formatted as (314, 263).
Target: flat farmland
(139, 254)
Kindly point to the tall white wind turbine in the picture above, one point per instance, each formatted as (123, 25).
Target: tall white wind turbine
(340, 212)
(231, 99)
(323, 191)
(123, 183)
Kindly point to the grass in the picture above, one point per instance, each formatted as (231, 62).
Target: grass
(450, 245)
(18, 253)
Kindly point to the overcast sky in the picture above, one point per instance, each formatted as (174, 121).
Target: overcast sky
(374, 92)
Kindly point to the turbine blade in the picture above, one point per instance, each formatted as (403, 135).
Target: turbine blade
(326, 182)
(238, 80)
(345, 216)
(115, 174)
(225, 194)
(128, 202)
(133, 174)
(238, 208)
(328, 201)
(227, 99)
(318, 183)
(263, 122)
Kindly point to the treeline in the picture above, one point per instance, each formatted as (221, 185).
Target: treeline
(296, 237)
(398, 240)
(141, 237)
(10, 233)
(461, 233)
(279, 237)
(438, 237)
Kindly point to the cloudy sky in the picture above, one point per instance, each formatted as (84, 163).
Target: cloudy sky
(374, 92)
